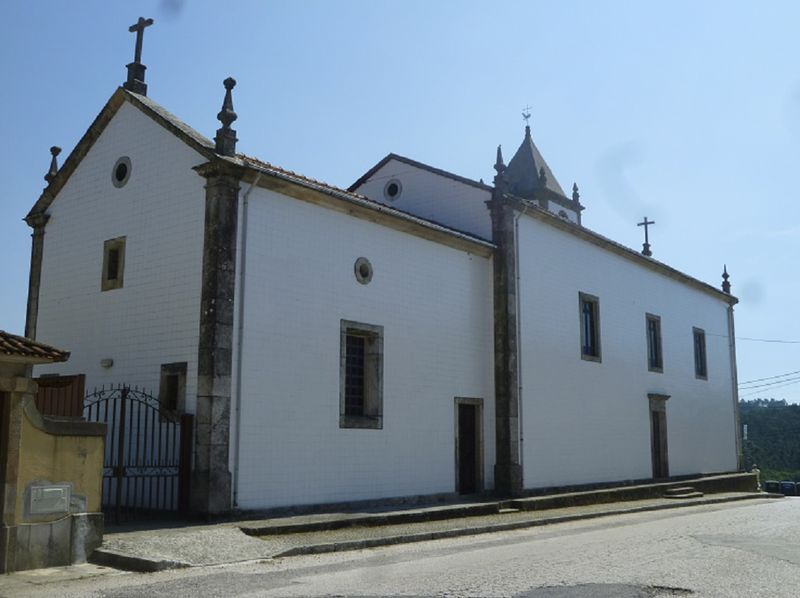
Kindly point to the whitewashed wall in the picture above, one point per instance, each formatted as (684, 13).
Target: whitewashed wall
(433, 197)
(435, 306)
(154, 318)
(589, 422)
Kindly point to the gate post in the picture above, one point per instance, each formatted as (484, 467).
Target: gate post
(119, 472)
(185, 463)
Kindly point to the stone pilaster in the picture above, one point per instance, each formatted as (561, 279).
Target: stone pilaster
(507, 471)
(211, 477)
(37, 222)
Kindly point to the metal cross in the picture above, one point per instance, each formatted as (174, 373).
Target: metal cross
(526, 114)
(646, 246)
(139, 29)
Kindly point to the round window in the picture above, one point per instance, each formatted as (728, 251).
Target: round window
(363, 270)
(392, 189)
(121, 171)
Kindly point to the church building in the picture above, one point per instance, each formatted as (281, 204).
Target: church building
(419, 334)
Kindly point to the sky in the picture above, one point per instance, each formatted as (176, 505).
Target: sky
(685, 112)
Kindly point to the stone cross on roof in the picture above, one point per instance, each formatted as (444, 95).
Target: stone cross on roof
(139, 28)
(646, 246)
(135, 82)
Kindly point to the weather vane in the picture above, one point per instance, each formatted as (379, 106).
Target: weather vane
(526, 114)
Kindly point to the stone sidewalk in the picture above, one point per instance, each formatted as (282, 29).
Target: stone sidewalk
(232, 542)
(182, 545)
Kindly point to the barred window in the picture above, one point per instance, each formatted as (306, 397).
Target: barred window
(590, 326)
(361, 376)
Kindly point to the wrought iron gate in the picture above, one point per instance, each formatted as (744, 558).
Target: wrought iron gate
(147, 464)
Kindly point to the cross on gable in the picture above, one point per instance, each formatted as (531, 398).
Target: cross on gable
(646, 246)
(139, 28)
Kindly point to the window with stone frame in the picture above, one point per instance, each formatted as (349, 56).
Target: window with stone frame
(655, 357)
(113, 264)
(361, 375)
(172, 387)
(700, 363)
(590, 327)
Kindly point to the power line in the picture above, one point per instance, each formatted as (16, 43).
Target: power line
(767, 340)
(771, 383)
(773, 388)
(757, 340)
(769, 377)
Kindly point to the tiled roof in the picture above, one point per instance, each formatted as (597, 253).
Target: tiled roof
(15, 346)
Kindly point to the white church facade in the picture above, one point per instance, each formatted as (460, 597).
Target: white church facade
(420, 334)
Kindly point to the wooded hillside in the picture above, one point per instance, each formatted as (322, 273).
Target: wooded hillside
(773, 438)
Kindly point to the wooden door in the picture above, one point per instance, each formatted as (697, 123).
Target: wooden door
(468, 456)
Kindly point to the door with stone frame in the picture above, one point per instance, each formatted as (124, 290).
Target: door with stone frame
(658, 435)
(469, 445)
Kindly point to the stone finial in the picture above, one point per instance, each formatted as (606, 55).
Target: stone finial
(726, 286)
(576, 197)
(226, 137)
(500, 182)
(499, 166)
(51, 174)
(542, 177)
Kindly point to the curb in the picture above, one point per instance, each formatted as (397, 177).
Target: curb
(501, 527)
(375, 520)
(125, 562)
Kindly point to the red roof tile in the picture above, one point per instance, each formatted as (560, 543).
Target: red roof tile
(19, 346)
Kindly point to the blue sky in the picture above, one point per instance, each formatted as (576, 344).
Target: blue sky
(686, 112)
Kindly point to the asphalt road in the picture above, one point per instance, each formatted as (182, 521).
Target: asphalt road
(747, 549)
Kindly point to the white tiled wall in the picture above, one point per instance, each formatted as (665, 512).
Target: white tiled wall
(589, 422)
(434, 197)
(154, 318)
(435, 306)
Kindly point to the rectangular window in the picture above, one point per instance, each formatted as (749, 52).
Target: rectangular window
(172, 389)
(361, 376)
(655, 361)
(113, 264)
(590, 326)
(700, 367)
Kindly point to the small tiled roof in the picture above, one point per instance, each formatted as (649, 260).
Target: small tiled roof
(15, 346)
